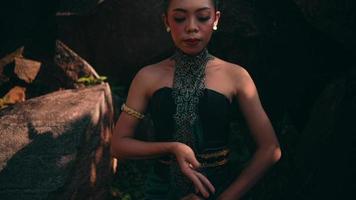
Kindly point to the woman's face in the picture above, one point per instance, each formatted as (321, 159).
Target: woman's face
(191, 23)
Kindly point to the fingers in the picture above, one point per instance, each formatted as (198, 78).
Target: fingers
(188, 162)
(198, 184)
(205, 181)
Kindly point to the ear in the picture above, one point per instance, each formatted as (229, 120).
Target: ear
(217, 17)
(165, 20)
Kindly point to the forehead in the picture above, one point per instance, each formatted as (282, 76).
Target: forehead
(190, 5)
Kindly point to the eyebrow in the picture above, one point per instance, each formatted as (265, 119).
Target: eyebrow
(185, 11)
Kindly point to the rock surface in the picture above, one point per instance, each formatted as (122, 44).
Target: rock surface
(56, 146)
(6, 70)
(26, 69)
(72, 64)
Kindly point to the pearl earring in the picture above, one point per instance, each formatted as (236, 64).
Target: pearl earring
(168, 29)
(215, 27)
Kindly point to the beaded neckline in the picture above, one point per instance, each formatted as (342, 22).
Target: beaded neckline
(188, 87)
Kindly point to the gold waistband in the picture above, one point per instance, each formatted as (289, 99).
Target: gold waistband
(214, 154)
(221, 155)
(202, 164)
(214, 164)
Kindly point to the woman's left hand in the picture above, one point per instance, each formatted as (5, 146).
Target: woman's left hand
(188, 163)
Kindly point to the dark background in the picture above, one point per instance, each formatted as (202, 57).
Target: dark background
(301, 54)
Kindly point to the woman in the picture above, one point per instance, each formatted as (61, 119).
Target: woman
(190, 97)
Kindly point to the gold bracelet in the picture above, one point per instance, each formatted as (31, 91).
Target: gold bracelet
(132, 112)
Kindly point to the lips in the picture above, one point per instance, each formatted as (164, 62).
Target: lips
(192, 41)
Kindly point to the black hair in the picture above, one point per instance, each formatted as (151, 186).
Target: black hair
(166, 4)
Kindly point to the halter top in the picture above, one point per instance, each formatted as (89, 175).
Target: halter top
(214, 111)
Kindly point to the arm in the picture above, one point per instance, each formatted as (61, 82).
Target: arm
(267, 152)
(123, 144)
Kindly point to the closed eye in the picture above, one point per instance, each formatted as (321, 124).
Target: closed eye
(179, 19)
(204, 19)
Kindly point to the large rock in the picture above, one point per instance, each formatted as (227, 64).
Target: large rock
(16, 73)
(57, 146)
(5, 80)
(72, 64)
(26, 69)
(39, 78)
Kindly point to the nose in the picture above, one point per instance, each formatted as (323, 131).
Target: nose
(192, 26)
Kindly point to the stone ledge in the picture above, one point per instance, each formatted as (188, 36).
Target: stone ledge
(57, 146)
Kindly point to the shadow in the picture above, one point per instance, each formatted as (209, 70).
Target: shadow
(295, 66)
(30, 24)
(74, 164)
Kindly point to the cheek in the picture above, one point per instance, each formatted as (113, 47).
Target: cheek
(206, 30)
(208, 26)
(177, 30)
(177, 27)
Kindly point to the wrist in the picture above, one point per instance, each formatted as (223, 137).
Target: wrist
(172, 148)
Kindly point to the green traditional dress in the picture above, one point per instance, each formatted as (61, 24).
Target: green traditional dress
(197, 116)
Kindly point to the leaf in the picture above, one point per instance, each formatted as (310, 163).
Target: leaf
(90, 80)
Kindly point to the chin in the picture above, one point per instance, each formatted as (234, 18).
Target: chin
(192, 50)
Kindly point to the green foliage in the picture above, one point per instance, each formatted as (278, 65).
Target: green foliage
(90, 80)
(126, 197)
(129, 181)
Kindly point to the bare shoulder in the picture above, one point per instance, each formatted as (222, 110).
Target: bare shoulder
(235, 71)
(142, 85)
(149, 71)
(238, 75)
(230, 67)
(150, 76)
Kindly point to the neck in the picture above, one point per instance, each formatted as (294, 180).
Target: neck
(179, 56)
